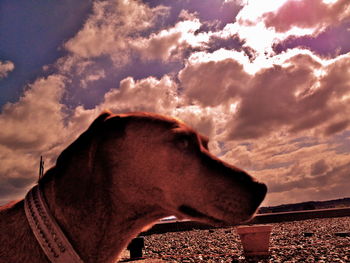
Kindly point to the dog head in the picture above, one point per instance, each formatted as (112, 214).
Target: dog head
(162, 162)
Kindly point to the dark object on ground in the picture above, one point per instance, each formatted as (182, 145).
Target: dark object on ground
(308, 234)
(135, 247)
(342, 234)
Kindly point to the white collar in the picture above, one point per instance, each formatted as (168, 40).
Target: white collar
(46, 229)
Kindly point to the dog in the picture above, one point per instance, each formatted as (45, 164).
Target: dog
(122, 175)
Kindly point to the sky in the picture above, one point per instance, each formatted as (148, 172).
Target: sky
(267, 81)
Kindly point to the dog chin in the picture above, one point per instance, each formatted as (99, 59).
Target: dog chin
(215, 220)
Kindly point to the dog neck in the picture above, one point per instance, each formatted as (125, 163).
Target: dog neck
(98, 237)
(98, 228)
(46, 230)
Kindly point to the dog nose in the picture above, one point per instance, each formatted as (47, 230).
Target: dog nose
(259, 192)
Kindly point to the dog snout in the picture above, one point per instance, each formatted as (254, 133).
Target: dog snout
(259, 191)
(253, 190)
(256, 190)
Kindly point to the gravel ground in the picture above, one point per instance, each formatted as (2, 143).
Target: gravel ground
(287, 244)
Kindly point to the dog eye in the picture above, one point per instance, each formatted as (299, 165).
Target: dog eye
(183, 143)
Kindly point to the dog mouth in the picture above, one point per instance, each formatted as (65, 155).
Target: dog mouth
(199, 216)
(223, 216)
(224, 210)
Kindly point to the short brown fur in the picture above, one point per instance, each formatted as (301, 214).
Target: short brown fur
(122, 175)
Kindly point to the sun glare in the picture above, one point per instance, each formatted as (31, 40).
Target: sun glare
(329, 1)
(251, 27)
(255, 8)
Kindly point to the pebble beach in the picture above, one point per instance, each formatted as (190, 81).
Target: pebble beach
(313, 240)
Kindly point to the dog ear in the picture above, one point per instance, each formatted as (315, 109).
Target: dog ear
(84, 140)
(77, 160)
(100, 119)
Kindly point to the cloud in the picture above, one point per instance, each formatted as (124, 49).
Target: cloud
(296, 92)
(313, 14)
(298, 95)
(5, 68)
(330, 185)
(31, 127)
(149, 94)
(25, 123)
(332, 42)
(94, 76)
(295, 169)
(319, 167)
(175, 41)
(159, 46)
(204, 120)
(172, 41)
(111, 27)
(213, 79)
(263, 24)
